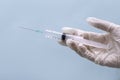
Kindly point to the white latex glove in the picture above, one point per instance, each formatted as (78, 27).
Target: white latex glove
(106, 57)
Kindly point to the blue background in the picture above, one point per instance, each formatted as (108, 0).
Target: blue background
(26, 55)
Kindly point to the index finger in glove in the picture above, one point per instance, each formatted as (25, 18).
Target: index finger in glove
(72, 31)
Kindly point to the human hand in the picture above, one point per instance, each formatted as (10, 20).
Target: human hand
(106, 57)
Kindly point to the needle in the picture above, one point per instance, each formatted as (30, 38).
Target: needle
(32, 29)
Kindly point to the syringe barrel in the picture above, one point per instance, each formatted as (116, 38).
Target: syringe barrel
(53, 34)
(61, 36)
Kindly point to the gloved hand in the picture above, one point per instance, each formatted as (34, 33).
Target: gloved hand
(106, 57)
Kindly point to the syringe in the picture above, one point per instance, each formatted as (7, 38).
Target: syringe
(62, 36)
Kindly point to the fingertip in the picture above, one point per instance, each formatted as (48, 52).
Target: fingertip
(92, 20)
(69, 30)
(69, 42)
(66, 28)
(72, 44)
(82, 48)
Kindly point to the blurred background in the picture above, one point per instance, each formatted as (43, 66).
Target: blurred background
(26, 55)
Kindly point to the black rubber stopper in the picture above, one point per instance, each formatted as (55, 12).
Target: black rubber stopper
(63, 37)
